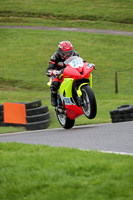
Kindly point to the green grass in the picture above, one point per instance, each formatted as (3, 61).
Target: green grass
(109, 14)
(24, 57)
(91, 10)
(40, 172)
(24, 51)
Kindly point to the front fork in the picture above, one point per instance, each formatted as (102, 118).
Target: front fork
(79, 95)
(79, 92)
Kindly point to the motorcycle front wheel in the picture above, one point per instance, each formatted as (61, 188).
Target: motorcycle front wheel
(89, 106)
(65, 121)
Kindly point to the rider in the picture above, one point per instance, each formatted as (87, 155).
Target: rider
(56, 66)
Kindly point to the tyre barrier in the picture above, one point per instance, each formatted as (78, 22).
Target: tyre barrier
(37, 116)
(123, 113)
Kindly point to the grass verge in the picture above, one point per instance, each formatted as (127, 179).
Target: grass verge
(41, 172)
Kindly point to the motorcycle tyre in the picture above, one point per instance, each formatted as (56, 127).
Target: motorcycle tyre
(93, 105)
(68, 122)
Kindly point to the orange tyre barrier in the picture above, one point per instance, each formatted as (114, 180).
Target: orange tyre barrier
(32, 115)
(14, 113)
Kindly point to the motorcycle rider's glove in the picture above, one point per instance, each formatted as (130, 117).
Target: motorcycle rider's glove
(57, 72)
(91, 65)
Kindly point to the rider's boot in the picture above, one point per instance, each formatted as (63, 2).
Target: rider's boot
(54, 98)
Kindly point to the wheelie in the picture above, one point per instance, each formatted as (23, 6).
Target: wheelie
(71, 88)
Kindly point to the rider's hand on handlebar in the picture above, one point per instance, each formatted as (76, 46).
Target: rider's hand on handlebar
(91, 65)
(57, 72)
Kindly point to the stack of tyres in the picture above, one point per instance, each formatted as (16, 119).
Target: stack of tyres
(114, 115)
(37, 116)
(122, 114)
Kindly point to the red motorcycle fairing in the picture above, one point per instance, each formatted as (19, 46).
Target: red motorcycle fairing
(77, 73)
(73, 111)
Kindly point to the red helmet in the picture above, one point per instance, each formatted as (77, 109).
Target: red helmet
(65, 49)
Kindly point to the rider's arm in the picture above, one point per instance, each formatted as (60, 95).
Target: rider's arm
(52, 65)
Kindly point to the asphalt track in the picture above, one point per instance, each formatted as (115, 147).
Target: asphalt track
(111, 137)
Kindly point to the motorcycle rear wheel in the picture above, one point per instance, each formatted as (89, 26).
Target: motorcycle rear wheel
(65, 121)
(89, 102)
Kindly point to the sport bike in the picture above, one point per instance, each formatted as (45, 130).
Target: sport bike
(75, 96)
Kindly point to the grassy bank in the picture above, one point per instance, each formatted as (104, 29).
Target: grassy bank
(25, 54)
(90, 14)
(41, 172)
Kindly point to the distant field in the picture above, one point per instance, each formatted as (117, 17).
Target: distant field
(108, 14)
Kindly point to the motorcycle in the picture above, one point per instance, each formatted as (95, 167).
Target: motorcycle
(75, 96)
